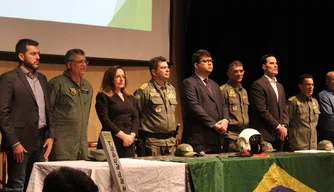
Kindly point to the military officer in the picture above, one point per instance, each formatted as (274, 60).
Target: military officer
(156, 107)
(303, 112)
(71, 97)
(237, 99)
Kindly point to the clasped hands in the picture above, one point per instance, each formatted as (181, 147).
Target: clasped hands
(282, 132)
(221, 126)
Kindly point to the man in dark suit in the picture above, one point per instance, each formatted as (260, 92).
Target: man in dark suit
(267, 96)
(205, 115)
(25, 116)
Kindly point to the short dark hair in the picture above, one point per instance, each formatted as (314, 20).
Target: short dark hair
(234, 63)
(70, 53)
(21, 46)
(67, 179)
(199, 54)
(263, 59)
(153, 63)
(304, 76)
(108, 84)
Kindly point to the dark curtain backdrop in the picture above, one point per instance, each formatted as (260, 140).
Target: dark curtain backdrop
(298, 32)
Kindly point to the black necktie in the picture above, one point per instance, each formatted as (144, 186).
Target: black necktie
(208, 85)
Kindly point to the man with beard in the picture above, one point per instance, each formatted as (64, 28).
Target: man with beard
(205, 114)
(26, 121)
(71, 98)
(267, 98)
(156, 108)
(303, 110)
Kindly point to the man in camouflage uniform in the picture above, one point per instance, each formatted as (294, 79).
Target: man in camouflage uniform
(303, 112)
(71, 97)
(237, 99)
(156, 107)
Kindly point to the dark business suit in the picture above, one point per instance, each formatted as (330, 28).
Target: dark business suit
(19, 118)
(202, 110)
(267, 112)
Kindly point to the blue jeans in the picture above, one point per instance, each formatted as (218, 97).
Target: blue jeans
(19, 173)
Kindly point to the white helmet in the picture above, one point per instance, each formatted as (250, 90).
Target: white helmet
(250, 141)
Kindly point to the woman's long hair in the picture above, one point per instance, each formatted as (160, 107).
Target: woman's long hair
(108, 83)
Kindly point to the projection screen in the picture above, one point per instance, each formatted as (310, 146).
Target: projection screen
(115, 29)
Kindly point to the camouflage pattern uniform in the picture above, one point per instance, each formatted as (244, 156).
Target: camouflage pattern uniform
(156, 107)
(237, 98)
(71, 104)
(303, 114)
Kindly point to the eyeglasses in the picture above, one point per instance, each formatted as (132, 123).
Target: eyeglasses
(207, 61)
(80, 62)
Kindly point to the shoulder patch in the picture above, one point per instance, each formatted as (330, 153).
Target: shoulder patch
(143, 86)
(292, 98)
(222, 87)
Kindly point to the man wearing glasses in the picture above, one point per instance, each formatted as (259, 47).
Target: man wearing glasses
(237, 99)
(205, 115)
(71, 97)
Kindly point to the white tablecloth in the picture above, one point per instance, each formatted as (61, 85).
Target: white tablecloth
(140, 175)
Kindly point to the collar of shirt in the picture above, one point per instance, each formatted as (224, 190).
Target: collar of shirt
(270, 80)
(202, 78)
(236, 86)
(304, 97)
(28, 73)
(159, 86)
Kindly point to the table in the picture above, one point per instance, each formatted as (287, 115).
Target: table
(301, 171)
(141, 175)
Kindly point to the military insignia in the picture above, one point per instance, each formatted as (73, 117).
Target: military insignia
(232, 93)
(302, 116)
(244, 97)
(234, 108)
(143, 86)
(315, 107)
(137, 97)
(222, 87)
(153, 90)
(73, 91)
(171, 96)
(298, 103)
(292, 98)
(158, 109)
(152, 94)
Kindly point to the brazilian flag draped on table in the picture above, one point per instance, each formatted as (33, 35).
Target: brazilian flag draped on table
(288, 171)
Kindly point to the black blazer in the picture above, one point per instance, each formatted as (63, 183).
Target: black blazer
(267, 112)
(202, 110)
(19, 111)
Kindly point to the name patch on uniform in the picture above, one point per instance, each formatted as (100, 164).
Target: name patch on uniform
(153, 94)
(73, 91)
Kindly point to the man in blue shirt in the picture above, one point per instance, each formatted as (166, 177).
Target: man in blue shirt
(326, 103)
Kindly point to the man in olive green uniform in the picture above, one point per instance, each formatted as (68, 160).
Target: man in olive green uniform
(237, 99)
(303, 112)
(71, 97)
(156, 107)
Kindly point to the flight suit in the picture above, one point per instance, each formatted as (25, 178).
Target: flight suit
(71, 104)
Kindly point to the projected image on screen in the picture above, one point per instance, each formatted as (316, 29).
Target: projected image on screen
(128, 14)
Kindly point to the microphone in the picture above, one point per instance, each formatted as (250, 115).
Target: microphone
(176, 130)
(202, 154)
